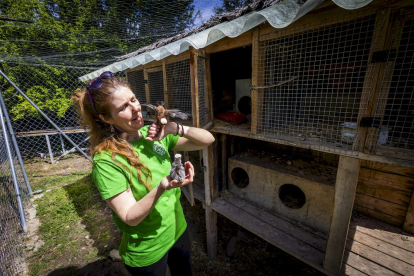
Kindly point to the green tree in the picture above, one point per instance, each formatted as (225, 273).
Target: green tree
(230, 5)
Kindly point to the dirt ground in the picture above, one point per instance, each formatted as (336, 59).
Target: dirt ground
(239, 251)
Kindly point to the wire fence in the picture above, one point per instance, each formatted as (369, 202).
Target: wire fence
(12, 235)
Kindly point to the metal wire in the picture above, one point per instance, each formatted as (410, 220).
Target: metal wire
(156, 86)
(179, 87)
(394, 108)
(326, 69)
(137, 82)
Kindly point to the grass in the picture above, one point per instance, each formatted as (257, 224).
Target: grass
(78, 232)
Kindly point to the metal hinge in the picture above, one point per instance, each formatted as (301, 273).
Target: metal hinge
(370, 122)
(384, 56)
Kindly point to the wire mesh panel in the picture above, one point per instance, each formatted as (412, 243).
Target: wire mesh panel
(394, 113)
(136, 80)
(156, 86)
(179, 87)
(310, 82)
(11, 232)
(202, 102)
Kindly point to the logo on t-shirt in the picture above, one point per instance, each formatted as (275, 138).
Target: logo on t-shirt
(159, 149)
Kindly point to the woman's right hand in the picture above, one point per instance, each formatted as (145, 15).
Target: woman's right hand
(167, 184)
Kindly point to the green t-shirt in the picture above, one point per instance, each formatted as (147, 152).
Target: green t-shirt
(149, 241)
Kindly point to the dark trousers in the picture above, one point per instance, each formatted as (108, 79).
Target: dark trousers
(178, 259)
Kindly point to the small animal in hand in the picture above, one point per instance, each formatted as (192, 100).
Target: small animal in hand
(177, 171)
(161, 112)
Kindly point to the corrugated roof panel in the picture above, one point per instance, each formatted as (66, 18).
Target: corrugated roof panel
(279, 15)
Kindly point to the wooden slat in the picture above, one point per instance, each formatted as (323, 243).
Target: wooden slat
(268, 232)
(349, 270)
(379, 215)
(388, 168)
(384, 232)
(398, 253)
(345, 187)
(194, 87)
(378, 257)
(211, 228)
(384, 192)
(255, 74)
(386, 179)
(366, 266)
(382, 206)
(279, 222)
(409, 219)
(183, 56)
(230, 43)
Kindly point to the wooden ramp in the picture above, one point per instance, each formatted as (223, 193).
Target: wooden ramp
(377, 248)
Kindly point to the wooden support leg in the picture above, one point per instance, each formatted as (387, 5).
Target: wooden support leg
(345, 187)
(211, 228)
(409, 218)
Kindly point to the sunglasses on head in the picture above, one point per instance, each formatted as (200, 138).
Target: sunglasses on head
(96, 84)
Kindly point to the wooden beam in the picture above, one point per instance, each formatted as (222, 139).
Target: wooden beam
(147, 92)
(230, 43)
(255, 73)
(345, 187)
(409, 218)
(194, 87)
(211, 228)
(183, 56)
(164, 77)
(211, 190)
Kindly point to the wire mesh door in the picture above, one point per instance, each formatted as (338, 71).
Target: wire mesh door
(179, 87)
(137, 82)
(310, 81)
(392, 131)
(202, 91)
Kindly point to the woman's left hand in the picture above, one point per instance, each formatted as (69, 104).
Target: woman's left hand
(157, 133)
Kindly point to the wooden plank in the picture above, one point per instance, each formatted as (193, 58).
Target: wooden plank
(261, 228)
(372, 80)
(378, 257)
(366, 266)
(138, 68)
(154, 69)
(282, 223)
(152, 64)
(345, 187)
(171, 59)
(211, 228)
(230, 43)
(384, 232)
(386, 193)
(349, 270)
(379, 215)
(381, 206)
(409, 219)
(147, 92)
(386, 179)
(209, 87)
(164, 77)
(194, 87)
(400, 254)
(255, 76)
(211, 189)
(224, 172)
(388, 168)
(241, 132)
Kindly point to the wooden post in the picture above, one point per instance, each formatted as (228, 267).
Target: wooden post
(409, 218)
(255, 69)
(164, 76)
(194, 87)
(211, 226)
(345, 187)
(209, 88)
(223, 142)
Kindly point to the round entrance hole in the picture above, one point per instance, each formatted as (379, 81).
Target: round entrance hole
(245, 105)
(292, 196)
(240, 177)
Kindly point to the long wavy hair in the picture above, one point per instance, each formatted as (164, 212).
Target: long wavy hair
(101, 137)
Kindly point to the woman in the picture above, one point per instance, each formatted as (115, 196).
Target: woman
(131, 167)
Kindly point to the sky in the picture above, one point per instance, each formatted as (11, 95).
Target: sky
(206, 8)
